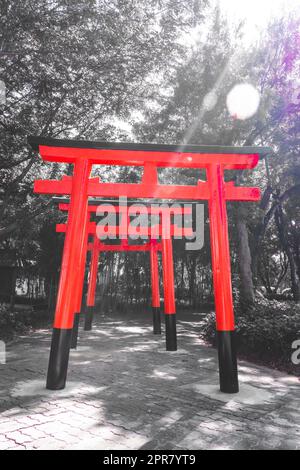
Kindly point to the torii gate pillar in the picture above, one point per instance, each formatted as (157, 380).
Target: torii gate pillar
(169, 294)
(70, 271)
(91, 293)
(81, 262)
(222, 280)
(155, 288)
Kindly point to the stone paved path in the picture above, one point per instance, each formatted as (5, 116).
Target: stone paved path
(126, 392)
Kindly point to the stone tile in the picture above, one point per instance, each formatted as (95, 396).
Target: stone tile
(126, 392)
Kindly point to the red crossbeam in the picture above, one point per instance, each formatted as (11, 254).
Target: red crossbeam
(153, 231)
(140, 158)
(121, 248)
(199, 192)
(132, 209)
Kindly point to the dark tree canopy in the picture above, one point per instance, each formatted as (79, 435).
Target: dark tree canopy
(152, 71)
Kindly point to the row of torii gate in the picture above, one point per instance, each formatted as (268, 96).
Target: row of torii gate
(80, 188)
(161, 228)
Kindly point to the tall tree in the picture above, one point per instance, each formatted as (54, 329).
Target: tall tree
(71, 69)
(195, 111)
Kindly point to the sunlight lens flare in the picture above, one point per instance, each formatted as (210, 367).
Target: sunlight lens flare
(210, 100)
(243, 101)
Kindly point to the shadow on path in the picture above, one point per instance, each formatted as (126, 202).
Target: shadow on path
(126, 392)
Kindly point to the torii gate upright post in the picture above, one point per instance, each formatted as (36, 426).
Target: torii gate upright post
(169, 294)
(81, 275)
(155, 287)
(92, 284)
(67, 302)
(220, 255)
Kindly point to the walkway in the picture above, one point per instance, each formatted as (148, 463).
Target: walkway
(126, 392)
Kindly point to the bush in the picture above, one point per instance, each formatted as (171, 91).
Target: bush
(265, 332)
(17, 321)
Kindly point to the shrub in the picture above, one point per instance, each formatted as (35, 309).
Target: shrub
(265, 332)
(16, 321)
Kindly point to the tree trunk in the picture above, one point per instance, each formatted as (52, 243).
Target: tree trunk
(192, 282)
(13, 290)
(281, 228)
(244, 258)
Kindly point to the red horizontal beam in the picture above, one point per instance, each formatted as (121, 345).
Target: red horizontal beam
(199, 192)
(140, 157)
(121, 248)
(154, 231)
(129, 209)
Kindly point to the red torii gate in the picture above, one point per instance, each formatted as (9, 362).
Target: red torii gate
(155, 230)
(83, 155)
(97, 247)
(167, 265)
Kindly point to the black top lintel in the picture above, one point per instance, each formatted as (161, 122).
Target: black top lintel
(34, 142)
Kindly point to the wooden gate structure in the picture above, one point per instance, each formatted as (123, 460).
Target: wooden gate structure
(83, 155)
(161, 223)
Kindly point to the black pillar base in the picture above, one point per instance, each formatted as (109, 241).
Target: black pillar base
(88, 321)
(227, 362)
(156, 321)
(59, 359)
(171, 335)
(75, 330)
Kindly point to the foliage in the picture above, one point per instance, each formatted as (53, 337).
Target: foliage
(14, 322)
(74, 69)
(211, 70)
(265, 333)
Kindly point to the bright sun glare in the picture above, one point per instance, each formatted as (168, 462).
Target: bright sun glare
(256, 13)
(243, 101)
